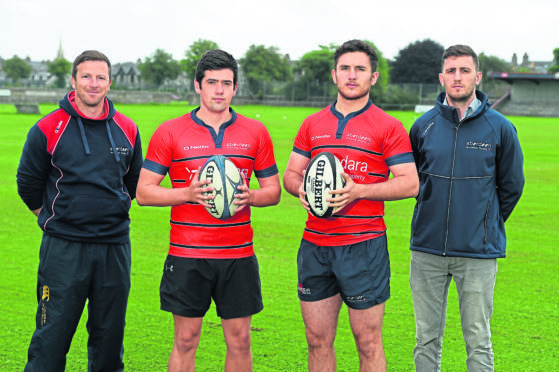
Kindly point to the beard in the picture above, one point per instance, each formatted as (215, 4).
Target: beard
(462, 98)
(352, 98)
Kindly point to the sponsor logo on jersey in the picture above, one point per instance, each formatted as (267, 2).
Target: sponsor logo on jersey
(197, 147)
(238, 146)
(315, 138)
(357, 138)
(354, 165)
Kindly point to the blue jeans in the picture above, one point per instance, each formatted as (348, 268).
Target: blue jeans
(430, 276)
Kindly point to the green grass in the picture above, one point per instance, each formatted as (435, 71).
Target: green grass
(525, 330)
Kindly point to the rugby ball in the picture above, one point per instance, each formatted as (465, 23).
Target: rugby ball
(224, 177)
(323, 174)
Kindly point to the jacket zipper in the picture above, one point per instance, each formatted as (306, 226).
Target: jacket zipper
(450, 187)
(485, 225)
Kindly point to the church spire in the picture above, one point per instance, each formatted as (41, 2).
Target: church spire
(60, 53)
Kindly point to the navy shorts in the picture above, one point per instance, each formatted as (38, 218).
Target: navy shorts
(189, 284)
(359, 272)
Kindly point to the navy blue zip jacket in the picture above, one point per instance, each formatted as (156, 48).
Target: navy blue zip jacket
(471, 178)
(82, 172)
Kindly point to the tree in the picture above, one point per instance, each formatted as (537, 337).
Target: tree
(16, 68)
(315, 71)
(489, 64)
(555, 67)
(60, 68)
(316, 66)
(193, 55)
(159, 67)
(419, 62)
(379, 89)
(264, 64)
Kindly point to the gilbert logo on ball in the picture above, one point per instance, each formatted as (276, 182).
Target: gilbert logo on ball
(224, 177)
(323, 174)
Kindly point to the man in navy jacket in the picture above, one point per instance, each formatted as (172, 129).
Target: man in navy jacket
(469, 162)
(78, 174)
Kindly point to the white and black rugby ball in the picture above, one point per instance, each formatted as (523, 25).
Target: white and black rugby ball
(225, 177)
(323, 174)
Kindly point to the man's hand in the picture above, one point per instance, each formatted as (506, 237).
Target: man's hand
(344, 196)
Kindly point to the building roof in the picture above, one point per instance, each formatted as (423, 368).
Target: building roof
(126, 68)
(534, 77)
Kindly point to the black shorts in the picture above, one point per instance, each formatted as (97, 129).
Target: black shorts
(189, 284)
(359, 272)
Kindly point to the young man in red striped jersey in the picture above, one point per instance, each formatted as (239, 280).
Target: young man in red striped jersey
(344, 258)
(210, 258)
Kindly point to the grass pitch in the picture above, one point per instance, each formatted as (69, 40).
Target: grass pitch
(526, 314)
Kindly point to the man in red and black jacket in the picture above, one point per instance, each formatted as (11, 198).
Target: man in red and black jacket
(78, 174)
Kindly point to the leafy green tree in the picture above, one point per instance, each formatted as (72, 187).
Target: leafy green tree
(60, 68)
(159, 67)
(379, 89)
(315, 73)
(419, 62)
(316, 66)
(16, 68)
(555, 67)
(489, 64)
(261, 64)
(193, 55)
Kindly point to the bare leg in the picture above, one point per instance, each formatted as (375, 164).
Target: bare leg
(321, 323)
(187, 338)
(366, 326)
(237, 338)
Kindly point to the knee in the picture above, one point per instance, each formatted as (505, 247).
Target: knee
(239, 341)
(477, 341)
(186, 341)
(368, 343)
(319, 339)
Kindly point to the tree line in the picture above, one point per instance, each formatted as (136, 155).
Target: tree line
(418, 62)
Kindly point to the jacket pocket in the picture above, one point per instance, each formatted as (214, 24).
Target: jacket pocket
(94, 215)
(485, 222)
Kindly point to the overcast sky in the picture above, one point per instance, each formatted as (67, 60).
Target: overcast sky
(128, 30)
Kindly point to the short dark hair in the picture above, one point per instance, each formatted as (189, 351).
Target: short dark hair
(357, 46)
(90, 55)
(216, 60)
(460, 50)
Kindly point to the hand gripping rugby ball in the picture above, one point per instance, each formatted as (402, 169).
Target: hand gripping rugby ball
(323, 174)
(224, 176)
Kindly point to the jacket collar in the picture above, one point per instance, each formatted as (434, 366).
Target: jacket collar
(450, 113)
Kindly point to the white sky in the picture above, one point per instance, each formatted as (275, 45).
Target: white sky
(127, 30)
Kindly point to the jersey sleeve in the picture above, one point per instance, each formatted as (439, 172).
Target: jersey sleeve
(397, 146)
(302, 144)
(159, 154)
(265, 162)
